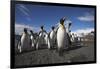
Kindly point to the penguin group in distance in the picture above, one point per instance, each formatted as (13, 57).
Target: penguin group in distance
(52, 36)
(61, 38)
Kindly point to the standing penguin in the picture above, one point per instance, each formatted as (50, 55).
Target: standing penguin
(69, 39)
(61, 36)
(32, 38)
(76, 38)
(72, 38)
(41, 36)
(47, 40)
(24, 43)
(52, 37)
(68, 34)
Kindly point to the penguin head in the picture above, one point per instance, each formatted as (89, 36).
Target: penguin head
(25, 30)
(42, 27)
(31, 31)
(69, 30)
(53, 27)
(62, 20)
(70, 24)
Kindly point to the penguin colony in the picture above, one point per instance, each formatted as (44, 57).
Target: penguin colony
(61, 38)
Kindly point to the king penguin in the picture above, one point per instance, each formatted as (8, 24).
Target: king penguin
(72, 38)
(41, 36)
(69, 35)
(32, 38)
(24, 42)
(61, 36)
(47, 40)
(52, 37)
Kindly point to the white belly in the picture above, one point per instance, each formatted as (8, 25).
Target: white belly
(46, 39)
(72, 38)
(33, 40)
(61, 37)
(41, 38)
(52, 35)
(25, 41)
